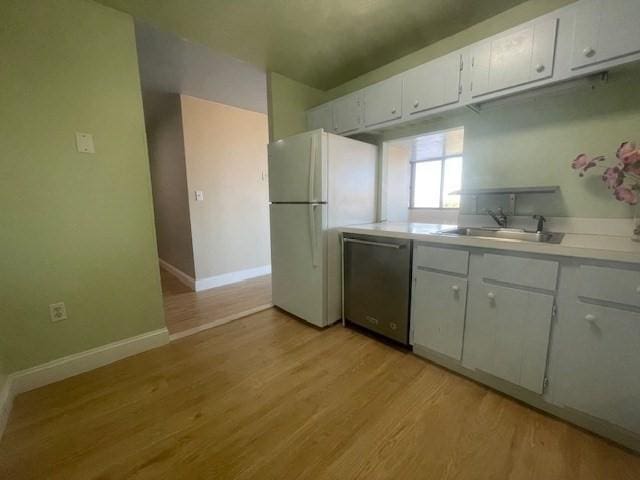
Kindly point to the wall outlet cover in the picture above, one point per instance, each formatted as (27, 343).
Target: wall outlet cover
(57, 312)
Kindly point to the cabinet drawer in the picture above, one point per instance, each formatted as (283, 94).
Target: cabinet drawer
(527, 272)
(444, 259)
(610, 284)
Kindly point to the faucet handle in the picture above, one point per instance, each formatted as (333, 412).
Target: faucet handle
(541, 221)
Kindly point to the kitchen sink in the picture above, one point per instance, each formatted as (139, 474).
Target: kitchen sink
(505, 234)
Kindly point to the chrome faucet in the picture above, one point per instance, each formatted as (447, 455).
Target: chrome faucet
(541, 221)
(499, 217)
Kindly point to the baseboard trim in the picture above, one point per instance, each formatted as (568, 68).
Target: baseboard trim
(217, 323)
(231, 277)
(6, 401)
(185, 279)
(71, 365)
(81, 362)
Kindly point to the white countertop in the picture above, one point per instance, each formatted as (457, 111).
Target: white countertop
(599, 247)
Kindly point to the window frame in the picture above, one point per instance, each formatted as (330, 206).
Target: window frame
(442, 159)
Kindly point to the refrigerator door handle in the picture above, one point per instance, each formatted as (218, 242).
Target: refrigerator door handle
(312, 168)
(313, 233)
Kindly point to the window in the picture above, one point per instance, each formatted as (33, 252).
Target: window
(436, 169)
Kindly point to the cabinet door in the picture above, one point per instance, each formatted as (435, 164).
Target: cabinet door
(507, 333)
(600, 363)
(347, 113)
(437, 313)
(432, 85)
(321, 117)
(514, 58)
(383, 102)
(605, 30)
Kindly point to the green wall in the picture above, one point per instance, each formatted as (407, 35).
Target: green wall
(74, 227)
(287, 101)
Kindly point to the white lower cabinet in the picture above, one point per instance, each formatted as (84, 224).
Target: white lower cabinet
(507, 333)
(599, 364)
(437, 312)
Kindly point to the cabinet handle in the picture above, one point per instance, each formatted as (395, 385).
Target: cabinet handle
(455, 288)
(589, 52)
(491, 295)
(540, 68)
(589, 317)
(416, 104)
(393, 111)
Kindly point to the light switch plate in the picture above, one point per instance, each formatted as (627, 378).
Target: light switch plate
(199, 195)
(84, 142)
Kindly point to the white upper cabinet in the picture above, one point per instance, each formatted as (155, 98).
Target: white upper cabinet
(321, 117)
(605, 30)
(516, 57)
(347, 113)
(432, 85)
(383, 102)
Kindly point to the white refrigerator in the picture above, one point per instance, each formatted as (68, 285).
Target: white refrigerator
(317, 182)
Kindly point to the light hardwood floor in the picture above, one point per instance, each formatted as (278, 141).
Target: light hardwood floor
(186, 311)
(267, 397)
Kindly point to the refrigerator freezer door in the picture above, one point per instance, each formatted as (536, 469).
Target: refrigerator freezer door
(298, 260)
(297, 168)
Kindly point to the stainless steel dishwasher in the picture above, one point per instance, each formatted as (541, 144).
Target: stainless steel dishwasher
(377, 284)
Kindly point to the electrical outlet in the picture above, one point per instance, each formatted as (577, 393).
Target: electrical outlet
(57, 312)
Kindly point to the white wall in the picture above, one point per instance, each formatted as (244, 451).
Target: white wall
(163, 118)
(226, 158)
(398, 179)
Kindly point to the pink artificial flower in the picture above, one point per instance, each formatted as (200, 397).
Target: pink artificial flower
(627, 153)
(613, 177)
(626, 195)
(583, 163)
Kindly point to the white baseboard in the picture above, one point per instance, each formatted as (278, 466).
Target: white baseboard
(179, 274)
(232, 277)
(71, 365)
(65, 367)
(217, 323)
(6, 401)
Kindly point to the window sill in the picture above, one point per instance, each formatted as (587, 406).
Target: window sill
(443, 209)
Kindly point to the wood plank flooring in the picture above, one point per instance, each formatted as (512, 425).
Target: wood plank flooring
(268, 397)
(187, 311)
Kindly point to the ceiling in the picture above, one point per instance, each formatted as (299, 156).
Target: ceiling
(322, 43)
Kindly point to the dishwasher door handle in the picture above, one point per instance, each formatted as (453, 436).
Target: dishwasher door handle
(375, 244)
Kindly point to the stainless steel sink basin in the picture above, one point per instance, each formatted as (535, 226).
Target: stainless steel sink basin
(505, 234)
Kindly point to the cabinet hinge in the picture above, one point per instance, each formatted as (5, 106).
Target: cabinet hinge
(460, 89)
(473, 61)
(554, 311)
(471, 87)
(545, 384)
(461, 63)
